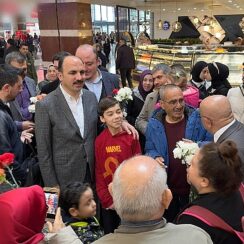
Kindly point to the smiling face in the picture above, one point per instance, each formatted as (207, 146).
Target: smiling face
(72, 75)
(173, 104)
(52, 73)
(147, 82)
(160, 79)
(90, 60)
(113, 118)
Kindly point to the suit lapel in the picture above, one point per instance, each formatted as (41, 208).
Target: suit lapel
(107, 84)
(63, 105)
(228, 132)
(85, 103)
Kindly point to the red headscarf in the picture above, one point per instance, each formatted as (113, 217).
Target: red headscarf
(22, 214)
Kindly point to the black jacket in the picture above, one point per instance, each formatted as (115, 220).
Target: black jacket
(229, 208)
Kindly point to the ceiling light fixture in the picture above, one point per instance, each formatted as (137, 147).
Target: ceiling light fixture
(160, 22)
(176, 26)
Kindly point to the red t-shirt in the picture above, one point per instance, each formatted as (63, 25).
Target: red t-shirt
(176, 171)
(110, 152)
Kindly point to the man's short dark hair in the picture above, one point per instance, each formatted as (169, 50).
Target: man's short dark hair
(10, 41)
(61, 62)
(23, 44)
(58, 56)
(105, 104)
(70, 195)
(8, 75)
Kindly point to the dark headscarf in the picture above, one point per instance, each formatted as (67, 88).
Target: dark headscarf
(197, 69)
(219, 73)
(23, 213)
(140, 87)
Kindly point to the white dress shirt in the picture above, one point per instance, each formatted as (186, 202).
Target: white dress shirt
(76, 108)
(221, 131)
(95, 86)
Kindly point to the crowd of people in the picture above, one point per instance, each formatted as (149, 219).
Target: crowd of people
(115, 173)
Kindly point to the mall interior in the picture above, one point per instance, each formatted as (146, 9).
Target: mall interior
(175, 30)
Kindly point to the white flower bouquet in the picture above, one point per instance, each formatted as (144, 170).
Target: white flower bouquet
(185, 150)
(124, 94)
(33, 100)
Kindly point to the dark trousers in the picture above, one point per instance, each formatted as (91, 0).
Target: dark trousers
(177, 204)
(126, 74)
(110, 220)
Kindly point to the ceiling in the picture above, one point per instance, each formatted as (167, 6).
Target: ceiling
(180, 5)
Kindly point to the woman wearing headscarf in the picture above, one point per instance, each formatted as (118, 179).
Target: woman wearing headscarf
(198, 80)
(23, 212)
(139, 95)
(218, 73)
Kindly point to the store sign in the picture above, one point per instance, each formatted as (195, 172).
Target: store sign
(166, 25)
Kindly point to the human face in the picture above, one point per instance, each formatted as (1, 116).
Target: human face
(22, 66)
(14, 90)
(113, 118)
(160, 79)
(206, 74)
(72, 75)
(91, 63)
(87, 205)
(193, 173)
(173, 104)
(24, 50)
(52, 73)
(147, 82)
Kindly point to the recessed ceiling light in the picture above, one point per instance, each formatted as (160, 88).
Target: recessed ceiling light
(238, 6)
(235, 4)
(230, 1)
(194, 8)
(164, 9)
(202, 10)
(179, 9)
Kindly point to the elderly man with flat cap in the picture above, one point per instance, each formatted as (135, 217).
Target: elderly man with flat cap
(141, 204)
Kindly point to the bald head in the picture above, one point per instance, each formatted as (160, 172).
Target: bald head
(85, 51)
(138, 186)
(217, 108)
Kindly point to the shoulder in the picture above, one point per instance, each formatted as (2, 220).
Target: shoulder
(88, 94)
(102, 136)
(29, 80)
(192, 233)
(108, 75)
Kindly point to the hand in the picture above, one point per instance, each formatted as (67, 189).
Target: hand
(58, 223)
(160, 161)
(26, 135)
(187, 140)
(27, 125)
(130, 129)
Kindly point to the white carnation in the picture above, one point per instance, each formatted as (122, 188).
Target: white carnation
(32, 108)
(33, 99)
(177, 153)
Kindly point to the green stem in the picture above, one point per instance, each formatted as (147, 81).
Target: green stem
(10, 172)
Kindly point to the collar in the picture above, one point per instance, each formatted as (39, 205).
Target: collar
(97, 80)
(221, 131)
(198, 84)
(143, 226)
(67, 95)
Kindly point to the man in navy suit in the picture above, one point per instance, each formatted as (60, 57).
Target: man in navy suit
(99, 82)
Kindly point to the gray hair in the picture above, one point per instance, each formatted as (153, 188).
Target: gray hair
(177, 72)
(15, 56)
(163, 67)
(146, 200)
(165, 88)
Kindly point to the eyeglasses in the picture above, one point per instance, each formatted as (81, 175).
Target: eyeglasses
(175, 102)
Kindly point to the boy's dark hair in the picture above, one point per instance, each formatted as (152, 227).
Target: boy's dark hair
(23, 44)
(106, 103)
(8, 75)
(70, 195)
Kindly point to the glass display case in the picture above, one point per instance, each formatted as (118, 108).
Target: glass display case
(148, 56)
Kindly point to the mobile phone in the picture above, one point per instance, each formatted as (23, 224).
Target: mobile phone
(52, 202)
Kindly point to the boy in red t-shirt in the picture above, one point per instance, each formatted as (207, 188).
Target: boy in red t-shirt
(112, 147)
